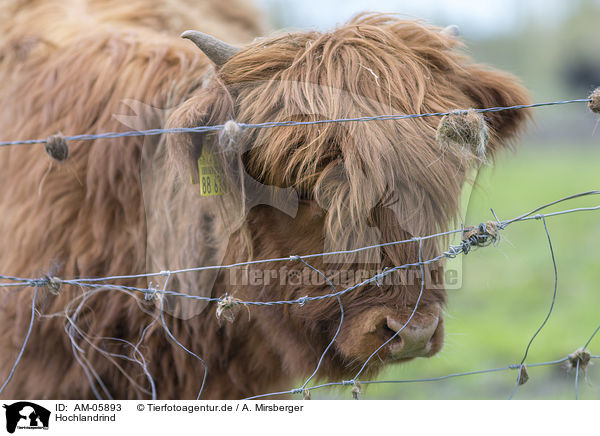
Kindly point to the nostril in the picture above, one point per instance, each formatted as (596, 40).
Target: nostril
(387, 332)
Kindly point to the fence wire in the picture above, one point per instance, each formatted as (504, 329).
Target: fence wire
(483, 235)
(218, 127)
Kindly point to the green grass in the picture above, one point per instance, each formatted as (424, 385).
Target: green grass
(507, 289)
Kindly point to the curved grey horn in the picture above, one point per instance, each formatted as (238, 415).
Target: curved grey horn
(217, 51)
(452, 30)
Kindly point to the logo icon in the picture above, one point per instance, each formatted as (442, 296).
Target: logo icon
(26, 415)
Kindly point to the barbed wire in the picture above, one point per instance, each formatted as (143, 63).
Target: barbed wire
(483, 235)
(486, 234)
(271, 124)
(421, 380)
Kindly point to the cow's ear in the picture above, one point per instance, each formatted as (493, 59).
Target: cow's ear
(488, 88)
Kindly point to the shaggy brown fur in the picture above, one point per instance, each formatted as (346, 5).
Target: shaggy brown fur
(67, 65)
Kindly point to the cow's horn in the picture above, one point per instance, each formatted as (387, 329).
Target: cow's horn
(217, 51)
(452, 30)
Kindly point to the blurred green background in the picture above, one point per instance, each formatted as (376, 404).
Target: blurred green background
(553, 46)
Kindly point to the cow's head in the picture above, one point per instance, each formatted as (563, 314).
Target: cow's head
(358, 183)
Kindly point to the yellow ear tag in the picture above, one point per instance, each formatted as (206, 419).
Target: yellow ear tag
(209, 178)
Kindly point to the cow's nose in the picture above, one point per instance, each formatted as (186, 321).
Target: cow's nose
(412, 340)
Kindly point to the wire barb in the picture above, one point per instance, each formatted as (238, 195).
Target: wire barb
(356, 390)
(580, 358)
(53, 284)
(481, 236)
(228, 308)
(57, 148)
(523, 375)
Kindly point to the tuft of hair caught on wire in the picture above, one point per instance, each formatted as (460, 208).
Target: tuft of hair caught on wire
(230, 136)
(579, 359)
(481, 236)
(53, 285)
(523, 375)
(228, 308)
(57, 148)
(594, 103)
(466, 130)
